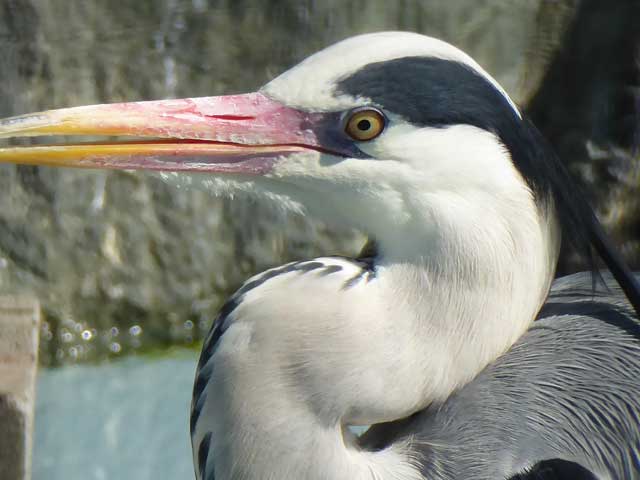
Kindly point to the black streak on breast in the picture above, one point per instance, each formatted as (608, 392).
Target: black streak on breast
(203, 452)
(556, 469)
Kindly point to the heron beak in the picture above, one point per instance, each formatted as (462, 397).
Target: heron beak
(230, 134)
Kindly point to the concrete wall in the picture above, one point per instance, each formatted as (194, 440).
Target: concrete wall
(19, 325)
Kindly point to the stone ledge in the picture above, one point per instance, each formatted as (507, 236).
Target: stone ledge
(19, 325)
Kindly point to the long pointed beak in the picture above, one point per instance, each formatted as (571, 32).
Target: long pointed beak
(236, 134)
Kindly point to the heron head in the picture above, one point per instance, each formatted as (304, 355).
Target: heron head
(371, 132)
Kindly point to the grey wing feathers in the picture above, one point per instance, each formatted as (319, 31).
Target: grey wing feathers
(568, 391)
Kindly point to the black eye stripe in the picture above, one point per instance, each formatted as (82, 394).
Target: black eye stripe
(438, 93)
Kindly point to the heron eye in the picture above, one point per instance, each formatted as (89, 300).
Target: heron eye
(365, 124)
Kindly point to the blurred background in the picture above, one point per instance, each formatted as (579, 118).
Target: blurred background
(130, 269)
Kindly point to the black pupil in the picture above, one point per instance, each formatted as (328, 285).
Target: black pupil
(364, 125)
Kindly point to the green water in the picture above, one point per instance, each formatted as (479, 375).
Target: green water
(123, 420)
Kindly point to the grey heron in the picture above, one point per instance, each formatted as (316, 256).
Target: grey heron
(428, 336)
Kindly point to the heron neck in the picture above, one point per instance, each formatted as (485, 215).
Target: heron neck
(472, 278)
